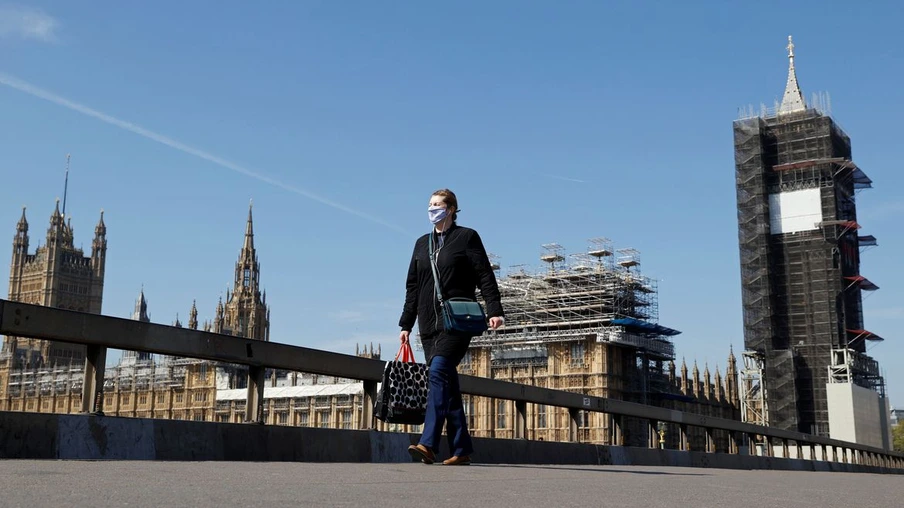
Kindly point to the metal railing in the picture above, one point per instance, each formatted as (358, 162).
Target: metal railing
(99, 332)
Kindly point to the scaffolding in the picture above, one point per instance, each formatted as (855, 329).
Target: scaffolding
(754, 402)
(63, 379)
(800, 259)
(598, 294)
(851, 367)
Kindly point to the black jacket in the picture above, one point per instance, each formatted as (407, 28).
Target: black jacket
(463, 268)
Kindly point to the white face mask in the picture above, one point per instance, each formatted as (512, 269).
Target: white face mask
(436, 214)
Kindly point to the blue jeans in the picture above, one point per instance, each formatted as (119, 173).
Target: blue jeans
(444, 406)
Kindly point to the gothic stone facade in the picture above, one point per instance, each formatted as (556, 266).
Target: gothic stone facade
(56, 275)
(599, 369)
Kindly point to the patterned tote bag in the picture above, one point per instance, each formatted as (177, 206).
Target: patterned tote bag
(403, 393)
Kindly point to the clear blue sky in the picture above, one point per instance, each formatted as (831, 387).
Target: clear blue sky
(554, 122)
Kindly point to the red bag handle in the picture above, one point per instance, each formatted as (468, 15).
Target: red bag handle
(406, 353)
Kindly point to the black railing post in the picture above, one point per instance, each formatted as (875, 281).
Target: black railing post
(368, 420)
(93, 382)
(618, 426)
(519, 428)
(573, 416)
(254, 412)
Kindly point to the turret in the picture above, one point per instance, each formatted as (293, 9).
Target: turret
(193, 316)
(55, 231)
(219, 321)
(267, 332)
(141, 308)
(720, 390)
(19, 258)
(731, 381)
(684, 377)
(68, 235)
(20, 241)
(696, 380)
(99, 247)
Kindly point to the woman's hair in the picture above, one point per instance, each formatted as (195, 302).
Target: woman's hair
(449, 199)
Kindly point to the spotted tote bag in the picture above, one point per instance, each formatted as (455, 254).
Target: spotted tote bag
(403, 393)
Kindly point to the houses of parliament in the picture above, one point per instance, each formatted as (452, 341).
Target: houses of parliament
(44, 376)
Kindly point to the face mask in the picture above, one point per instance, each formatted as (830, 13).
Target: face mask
(436, 214)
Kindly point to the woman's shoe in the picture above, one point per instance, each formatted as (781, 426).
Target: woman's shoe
(421, 453)
(458, 461)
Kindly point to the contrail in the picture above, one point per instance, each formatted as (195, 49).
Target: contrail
(34, 91)
(565, 178)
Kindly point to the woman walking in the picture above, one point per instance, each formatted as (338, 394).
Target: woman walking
(462, 267)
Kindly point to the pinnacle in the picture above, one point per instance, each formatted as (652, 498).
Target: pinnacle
(249, 232)
(23, 222)
(793, 100)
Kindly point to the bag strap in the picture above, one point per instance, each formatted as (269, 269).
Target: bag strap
(406, 353)
(439, 290)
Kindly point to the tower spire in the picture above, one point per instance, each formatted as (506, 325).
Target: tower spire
(193, 316)
(249, 230)
(247, 269)
(793, 99)
(20, 241)
(22, 225)
(101, 228)
(141, 308)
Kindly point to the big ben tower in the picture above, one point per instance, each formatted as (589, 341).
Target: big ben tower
(800, 239)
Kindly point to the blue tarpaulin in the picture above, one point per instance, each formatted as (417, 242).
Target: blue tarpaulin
(636, 325)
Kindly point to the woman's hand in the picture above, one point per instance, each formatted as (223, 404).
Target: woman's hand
(496, 322)
(403, 337)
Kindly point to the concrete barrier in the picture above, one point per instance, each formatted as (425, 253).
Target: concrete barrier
(82, 437)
